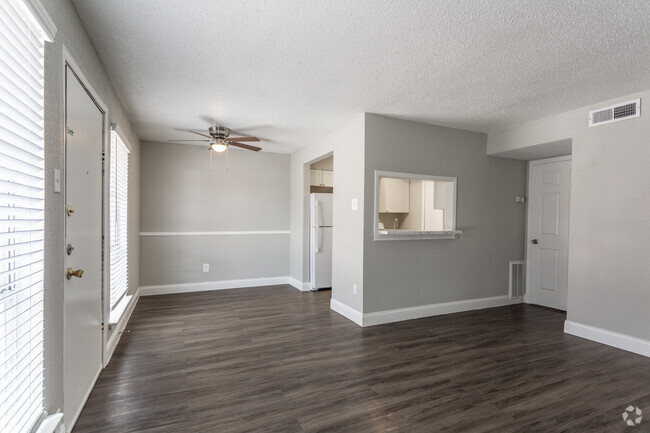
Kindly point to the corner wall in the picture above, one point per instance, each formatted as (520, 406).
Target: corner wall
(417, 273)
(609, 286)
(235, 220)
(72, 35)
(347, 144)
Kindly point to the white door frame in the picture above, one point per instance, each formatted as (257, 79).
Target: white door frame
(530, 164)
(68, 60)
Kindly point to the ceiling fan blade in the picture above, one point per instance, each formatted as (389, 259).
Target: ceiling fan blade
(206, 141)
(245, 138)
(244, 146)
(199, 133)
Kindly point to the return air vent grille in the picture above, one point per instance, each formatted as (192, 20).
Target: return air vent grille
(517, 280)
(626, 110)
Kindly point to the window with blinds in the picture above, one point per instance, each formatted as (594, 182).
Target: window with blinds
(21, 218)
(119, 192)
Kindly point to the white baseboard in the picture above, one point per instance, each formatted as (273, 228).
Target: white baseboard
(116, 332)
(610, 338)
(302, 286)
(389, 316)
(347, 311)
(211, 285)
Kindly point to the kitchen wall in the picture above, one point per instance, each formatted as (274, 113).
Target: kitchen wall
(347, 145)
(72, 35)
(402, 274)
(610, 214)
(180, 194)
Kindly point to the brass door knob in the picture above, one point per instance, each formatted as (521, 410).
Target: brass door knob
(69, 210)
(78, 273)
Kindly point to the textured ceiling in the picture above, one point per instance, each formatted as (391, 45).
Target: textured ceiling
(291, 71)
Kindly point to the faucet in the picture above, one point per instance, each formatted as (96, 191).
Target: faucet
(395, 224)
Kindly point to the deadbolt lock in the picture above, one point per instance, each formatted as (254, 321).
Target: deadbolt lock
(534, 241)
(78, 273)
(69, 210)
(69, 249)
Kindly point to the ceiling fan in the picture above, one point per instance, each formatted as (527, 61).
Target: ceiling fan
(220, 141)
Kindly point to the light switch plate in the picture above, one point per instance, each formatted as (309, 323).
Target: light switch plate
(355, 204)
(206, 267)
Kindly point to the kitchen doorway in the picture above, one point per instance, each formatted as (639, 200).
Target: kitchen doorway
(321, 226)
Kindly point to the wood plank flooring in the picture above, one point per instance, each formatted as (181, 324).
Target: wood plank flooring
(274, 359)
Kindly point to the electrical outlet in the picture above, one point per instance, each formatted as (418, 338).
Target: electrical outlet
(206, 267)
(354, 289)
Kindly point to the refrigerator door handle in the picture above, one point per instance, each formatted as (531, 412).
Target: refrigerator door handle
(317, 212)
(319, 239)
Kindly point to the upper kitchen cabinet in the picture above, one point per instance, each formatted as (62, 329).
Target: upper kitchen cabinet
(324, 178)
(394, 195)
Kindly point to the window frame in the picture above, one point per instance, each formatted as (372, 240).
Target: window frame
(387, 235)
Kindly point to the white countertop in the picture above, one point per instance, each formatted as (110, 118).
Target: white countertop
(405, 234)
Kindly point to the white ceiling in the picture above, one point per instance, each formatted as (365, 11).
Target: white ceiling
(290, 71)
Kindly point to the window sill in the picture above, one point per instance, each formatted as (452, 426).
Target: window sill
(118, 312)
(403, 235)
(51, 424)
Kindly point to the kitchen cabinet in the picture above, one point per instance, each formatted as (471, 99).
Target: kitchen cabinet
(321, 178)
(394, 195)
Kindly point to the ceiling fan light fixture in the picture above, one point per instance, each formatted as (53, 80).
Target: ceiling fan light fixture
(219, 146)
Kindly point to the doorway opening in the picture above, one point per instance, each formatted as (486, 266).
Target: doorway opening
(321, 222)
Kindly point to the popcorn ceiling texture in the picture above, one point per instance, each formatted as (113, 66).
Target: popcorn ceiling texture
(291, 71)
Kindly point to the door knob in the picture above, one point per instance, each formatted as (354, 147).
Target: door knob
(69, 210)
(534, 241)
(78, 273)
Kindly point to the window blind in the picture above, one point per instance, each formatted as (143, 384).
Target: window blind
(21, 218)
(119, 192)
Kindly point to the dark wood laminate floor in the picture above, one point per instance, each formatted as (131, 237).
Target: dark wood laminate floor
(278, 360)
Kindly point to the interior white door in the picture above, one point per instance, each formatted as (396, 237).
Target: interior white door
(549, 188)
(83, 233)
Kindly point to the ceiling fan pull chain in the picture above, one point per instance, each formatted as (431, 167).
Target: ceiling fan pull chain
(210, 150)
(227, 159)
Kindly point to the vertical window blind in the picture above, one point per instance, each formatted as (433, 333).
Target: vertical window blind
(21, 218)
(119, 192)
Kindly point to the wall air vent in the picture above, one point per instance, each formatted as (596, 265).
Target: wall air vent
(626, 110)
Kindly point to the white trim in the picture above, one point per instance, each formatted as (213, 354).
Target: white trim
(211, 285)
(610, 338)
(397, 315)
(220, 233)
(51, 424)
(43, 18)
(550, 160)
(116, 332)
(346, 311)
(115, 127)
(302, 286)
(70, 425)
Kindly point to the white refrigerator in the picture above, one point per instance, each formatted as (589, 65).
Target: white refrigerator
(320, 241)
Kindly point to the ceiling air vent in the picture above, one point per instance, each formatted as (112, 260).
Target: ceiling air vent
(626, 110)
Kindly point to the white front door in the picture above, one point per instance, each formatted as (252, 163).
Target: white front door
(549, 187)
(83, 233)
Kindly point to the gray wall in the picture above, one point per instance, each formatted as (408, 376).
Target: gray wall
(181, 194)
(72, 35)
(400, 274)
(347, 145)
(610, 214)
